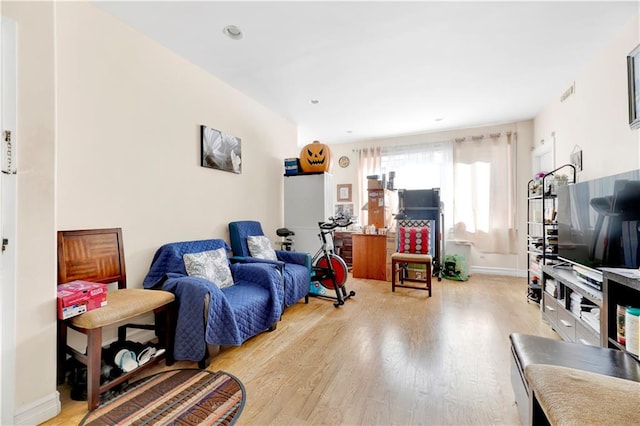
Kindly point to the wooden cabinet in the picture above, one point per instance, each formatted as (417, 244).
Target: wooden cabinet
(381, 203)
(343, 245)
(369, 256)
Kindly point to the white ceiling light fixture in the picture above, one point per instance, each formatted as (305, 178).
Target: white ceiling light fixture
(233, 32)
(314, 101)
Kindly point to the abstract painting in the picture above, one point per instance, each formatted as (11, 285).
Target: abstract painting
(220, 150)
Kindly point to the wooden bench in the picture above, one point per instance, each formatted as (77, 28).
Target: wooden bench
(563, 396)
(97, 255)
(528, 351)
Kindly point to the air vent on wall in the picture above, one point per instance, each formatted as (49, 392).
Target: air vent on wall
(570, 91)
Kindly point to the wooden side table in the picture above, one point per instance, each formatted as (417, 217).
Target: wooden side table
(369, 256)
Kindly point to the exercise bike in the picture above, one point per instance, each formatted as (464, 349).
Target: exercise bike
(329, 271)
(287, 242)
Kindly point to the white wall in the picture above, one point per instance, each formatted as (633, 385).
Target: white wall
(36, 243)
(109, 136)
(495, 263)
(596, 117)
(129, 112)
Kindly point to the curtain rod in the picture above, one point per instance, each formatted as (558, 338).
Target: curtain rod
(405, 145)
(370, 147)
(462, 139)
(481, 137)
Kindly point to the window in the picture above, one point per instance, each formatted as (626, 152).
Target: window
(484, 202)
(472, 197)
(422, 166)
(476, 177)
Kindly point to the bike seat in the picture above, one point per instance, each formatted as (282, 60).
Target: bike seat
(284, 232)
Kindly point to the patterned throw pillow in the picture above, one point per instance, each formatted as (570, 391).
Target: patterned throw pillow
(260, 247)
(212, 265)
(413, 240)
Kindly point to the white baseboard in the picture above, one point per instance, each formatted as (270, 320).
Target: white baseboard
(39, 411)
(510, 272)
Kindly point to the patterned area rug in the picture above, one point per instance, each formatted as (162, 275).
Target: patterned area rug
(177, 397)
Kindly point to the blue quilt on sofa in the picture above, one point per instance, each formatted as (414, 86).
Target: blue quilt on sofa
(250, 306)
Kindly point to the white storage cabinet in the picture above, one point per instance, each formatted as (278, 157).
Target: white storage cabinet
(308, 199)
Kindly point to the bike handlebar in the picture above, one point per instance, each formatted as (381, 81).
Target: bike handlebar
(335, 223)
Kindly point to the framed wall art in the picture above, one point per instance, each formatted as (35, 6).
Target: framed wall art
(344, 192)
(220, 150)
(344, 209)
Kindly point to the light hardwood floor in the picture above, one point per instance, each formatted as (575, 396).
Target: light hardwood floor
(383, 358)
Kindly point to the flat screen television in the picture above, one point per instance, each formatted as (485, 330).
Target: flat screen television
(419, 203)
(599, 222)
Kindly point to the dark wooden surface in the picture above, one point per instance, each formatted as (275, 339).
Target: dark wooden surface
(343, 244)
(92, 255)
(618, 289)
(369, 256)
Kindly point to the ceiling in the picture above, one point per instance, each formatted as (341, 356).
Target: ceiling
(383, 69)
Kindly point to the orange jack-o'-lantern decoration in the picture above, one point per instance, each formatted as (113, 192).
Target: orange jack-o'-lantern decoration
(315, 157)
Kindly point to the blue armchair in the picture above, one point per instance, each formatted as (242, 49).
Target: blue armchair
(251, 305)
(296, 266)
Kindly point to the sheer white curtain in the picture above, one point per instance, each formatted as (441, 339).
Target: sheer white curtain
(368, 164)
(423, 166)
(484, 209)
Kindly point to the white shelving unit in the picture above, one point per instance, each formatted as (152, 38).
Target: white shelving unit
(308, 199)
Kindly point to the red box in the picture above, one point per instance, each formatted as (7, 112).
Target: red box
(78, 297)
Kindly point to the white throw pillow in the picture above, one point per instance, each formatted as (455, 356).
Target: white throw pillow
(212, 265)
(260, 247)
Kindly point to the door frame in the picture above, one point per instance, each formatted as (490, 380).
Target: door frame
(8, 188)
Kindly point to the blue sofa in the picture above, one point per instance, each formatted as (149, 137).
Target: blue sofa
(253, 303)
(295, 266)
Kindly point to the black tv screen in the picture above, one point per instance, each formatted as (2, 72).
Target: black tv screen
(419, 203)
(599, 221)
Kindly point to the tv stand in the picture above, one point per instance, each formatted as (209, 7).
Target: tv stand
(567, 303)
(620, 287)
(530, 353)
